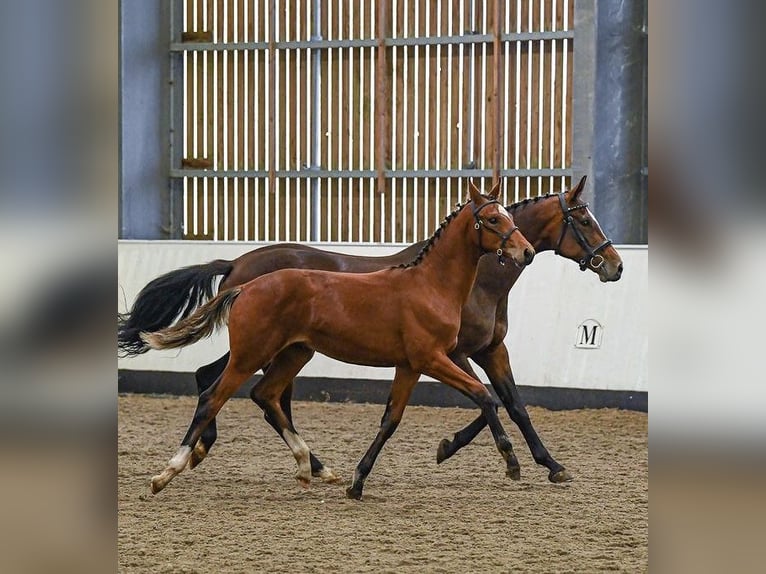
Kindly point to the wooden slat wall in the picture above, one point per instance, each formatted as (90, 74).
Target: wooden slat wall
(251, 110)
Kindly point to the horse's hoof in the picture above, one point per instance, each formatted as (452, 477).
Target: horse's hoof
(327, 475)
(513, 473)
(304, 481)
(441, 451)
(353, 493)
(198, 454)
(158, 483)
(561, 476)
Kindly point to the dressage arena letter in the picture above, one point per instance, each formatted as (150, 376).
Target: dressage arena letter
(589, 334)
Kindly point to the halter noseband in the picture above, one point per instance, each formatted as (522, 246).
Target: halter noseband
(592, 253)
(479, 224)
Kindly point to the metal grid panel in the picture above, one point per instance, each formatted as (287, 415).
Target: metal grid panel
(339, 120)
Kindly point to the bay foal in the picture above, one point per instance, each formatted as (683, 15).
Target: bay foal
(558, 222)
(406, 317)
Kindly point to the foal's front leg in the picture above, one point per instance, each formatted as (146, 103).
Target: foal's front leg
(466, 435)
(496, 364)
(404, 381)
(443, 369)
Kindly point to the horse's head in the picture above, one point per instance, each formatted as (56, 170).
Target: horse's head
(581, 238)
(496, 229)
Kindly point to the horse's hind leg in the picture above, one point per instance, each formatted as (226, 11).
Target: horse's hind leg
(210, 402)
(318, 468)
(205, 377)
(273, 394)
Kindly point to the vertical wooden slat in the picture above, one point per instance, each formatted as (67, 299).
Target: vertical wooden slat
(272, 87)
(497, 86)
(382, 96)
(188, 127)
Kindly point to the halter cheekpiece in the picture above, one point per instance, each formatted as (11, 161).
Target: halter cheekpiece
(593, 258)
(479, 224)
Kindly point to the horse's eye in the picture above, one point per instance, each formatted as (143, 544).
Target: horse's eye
(492, 220)
(585, 222)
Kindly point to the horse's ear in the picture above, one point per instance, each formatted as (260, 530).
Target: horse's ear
(475, 192)
(495, 191)
(574, 193)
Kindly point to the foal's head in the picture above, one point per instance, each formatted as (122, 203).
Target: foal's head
(497, 230)
(581, 239)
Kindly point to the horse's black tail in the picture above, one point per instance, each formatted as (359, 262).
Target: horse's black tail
(166, 299)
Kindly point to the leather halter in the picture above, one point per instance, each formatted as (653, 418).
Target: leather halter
(479, 224)
(592, 253)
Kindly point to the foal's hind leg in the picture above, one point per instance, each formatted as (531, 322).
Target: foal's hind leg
(318, 468)
(281, 372)
(206, 376)
(210, 402)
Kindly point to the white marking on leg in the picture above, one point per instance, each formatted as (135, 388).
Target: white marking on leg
(301, 453)
(326, 474)
(180, 459)
(175, 466)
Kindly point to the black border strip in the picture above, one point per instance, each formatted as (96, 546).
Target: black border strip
(426, 393)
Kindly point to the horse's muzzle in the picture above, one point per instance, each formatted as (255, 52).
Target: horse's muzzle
(529, 255)
(607, 277)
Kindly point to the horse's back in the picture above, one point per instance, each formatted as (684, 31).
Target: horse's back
(273, 258)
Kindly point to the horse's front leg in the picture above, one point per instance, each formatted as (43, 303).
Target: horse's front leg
(405, 380)
(496, 364)
(443, 369)
(466, 435)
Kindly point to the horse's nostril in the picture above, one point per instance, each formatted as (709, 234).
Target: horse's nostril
(529, 255)
(619, 269)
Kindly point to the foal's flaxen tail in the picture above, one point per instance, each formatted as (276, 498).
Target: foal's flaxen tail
(166, 299)
(196, 326)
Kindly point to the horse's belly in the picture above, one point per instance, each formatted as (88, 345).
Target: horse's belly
(357, 351)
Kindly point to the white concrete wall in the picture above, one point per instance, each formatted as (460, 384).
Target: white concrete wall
(547, 305)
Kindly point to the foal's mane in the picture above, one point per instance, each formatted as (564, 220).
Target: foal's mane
(431, 240)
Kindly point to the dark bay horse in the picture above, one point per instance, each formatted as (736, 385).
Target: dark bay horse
(559, 222)
(407, 317)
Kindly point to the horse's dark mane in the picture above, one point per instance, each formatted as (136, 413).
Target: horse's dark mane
(431, 240)
(527, 201)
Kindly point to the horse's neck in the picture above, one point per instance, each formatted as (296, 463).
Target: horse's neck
(535, 224)
(453, 258)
